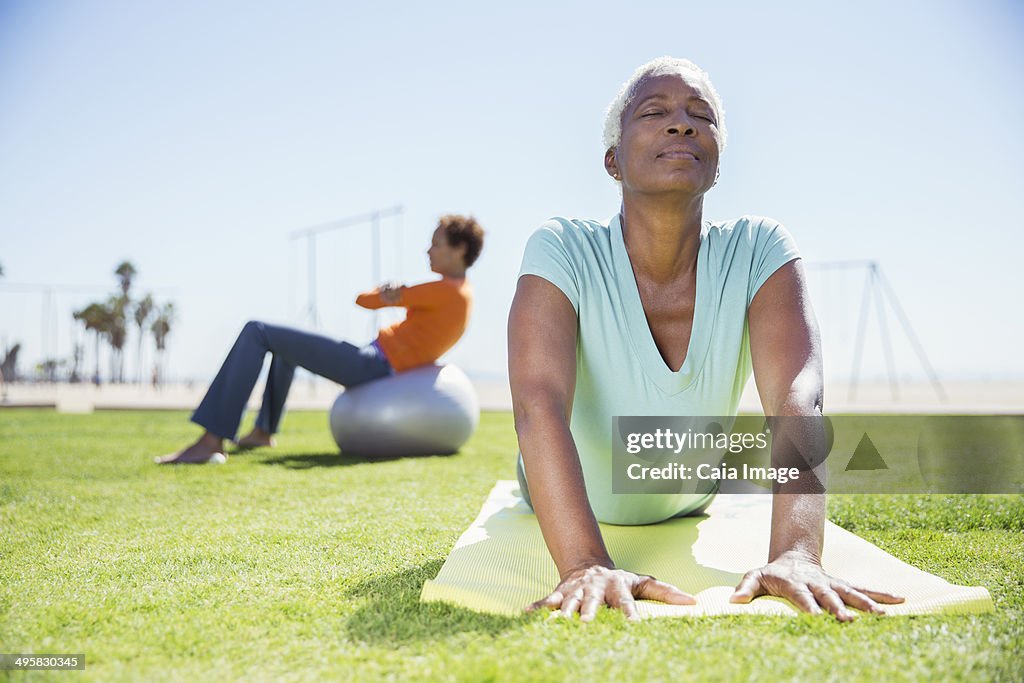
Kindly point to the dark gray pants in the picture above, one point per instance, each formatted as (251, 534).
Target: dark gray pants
(224, 404)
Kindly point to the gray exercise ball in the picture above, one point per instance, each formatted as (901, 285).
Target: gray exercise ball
(430, 410)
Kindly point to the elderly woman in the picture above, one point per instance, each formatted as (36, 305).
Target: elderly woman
(661, 312)
(437, 313)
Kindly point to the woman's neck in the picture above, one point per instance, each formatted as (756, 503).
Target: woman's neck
(453, 274)
(663, 238)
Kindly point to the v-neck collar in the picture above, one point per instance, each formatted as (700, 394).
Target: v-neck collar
(646, 350)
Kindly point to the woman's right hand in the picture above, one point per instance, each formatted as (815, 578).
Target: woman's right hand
(390, 293)
(585, 589)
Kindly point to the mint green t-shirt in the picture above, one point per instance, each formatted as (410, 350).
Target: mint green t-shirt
(619, 370)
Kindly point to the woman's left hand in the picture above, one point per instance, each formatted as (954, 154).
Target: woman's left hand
(803, 582)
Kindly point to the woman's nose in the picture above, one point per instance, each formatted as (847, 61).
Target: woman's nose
(682, 129)
(681, 125)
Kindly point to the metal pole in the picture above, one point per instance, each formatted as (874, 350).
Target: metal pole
(918, 349)
(375, 220)
(398, 247)
(831, 265)
(291, 280)
(890, 365)
(373, 217)
(347, 222)
(45, 324)
(861, 329)
(311, 246)
(314, 323)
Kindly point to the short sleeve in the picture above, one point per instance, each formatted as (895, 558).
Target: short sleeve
(547, 255)
(773, 248)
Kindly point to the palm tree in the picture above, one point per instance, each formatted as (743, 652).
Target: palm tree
(96, 319)
(119, 305)
(48, 369)
(125, 273)
(9, 365)
(76, 362)
(143, 311)
(161, 328)
(117, 334)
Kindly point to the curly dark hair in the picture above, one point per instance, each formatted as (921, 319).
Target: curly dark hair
(463, 230)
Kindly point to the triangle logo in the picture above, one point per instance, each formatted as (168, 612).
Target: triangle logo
(866, 457)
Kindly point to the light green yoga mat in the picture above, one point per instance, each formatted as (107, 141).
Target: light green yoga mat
(500, 564)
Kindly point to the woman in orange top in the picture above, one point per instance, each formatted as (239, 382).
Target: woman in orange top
(436, 317)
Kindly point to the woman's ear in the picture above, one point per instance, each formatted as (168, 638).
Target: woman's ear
(611, 164)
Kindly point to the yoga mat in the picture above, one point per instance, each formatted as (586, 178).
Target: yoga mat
(500, 564)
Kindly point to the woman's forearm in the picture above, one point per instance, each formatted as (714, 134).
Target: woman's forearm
(557, 490)
(370, 300)
(798, 506)
(798, 525)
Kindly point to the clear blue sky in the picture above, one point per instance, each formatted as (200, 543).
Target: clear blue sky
(192, 137)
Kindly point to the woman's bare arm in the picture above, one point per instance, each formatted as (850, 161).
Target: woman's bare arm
(785, 349)
(542, 373)
(786, 355)
(542, 333)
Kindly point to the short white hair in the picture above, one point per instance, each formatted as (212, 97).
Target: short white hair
(662, 66)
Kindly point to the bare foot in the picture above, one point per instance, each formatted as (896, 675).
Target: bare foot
(257, 438)
(209, 448)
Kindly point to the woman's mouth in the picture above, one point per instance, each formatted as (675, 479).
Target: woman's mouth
(678, 152)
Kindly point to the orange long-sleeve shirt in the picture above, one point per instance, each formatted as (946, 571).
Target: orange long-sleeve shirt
(436, 316)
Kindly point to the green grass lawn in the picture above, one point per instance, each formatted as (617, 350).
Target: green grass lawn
(299, 563)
